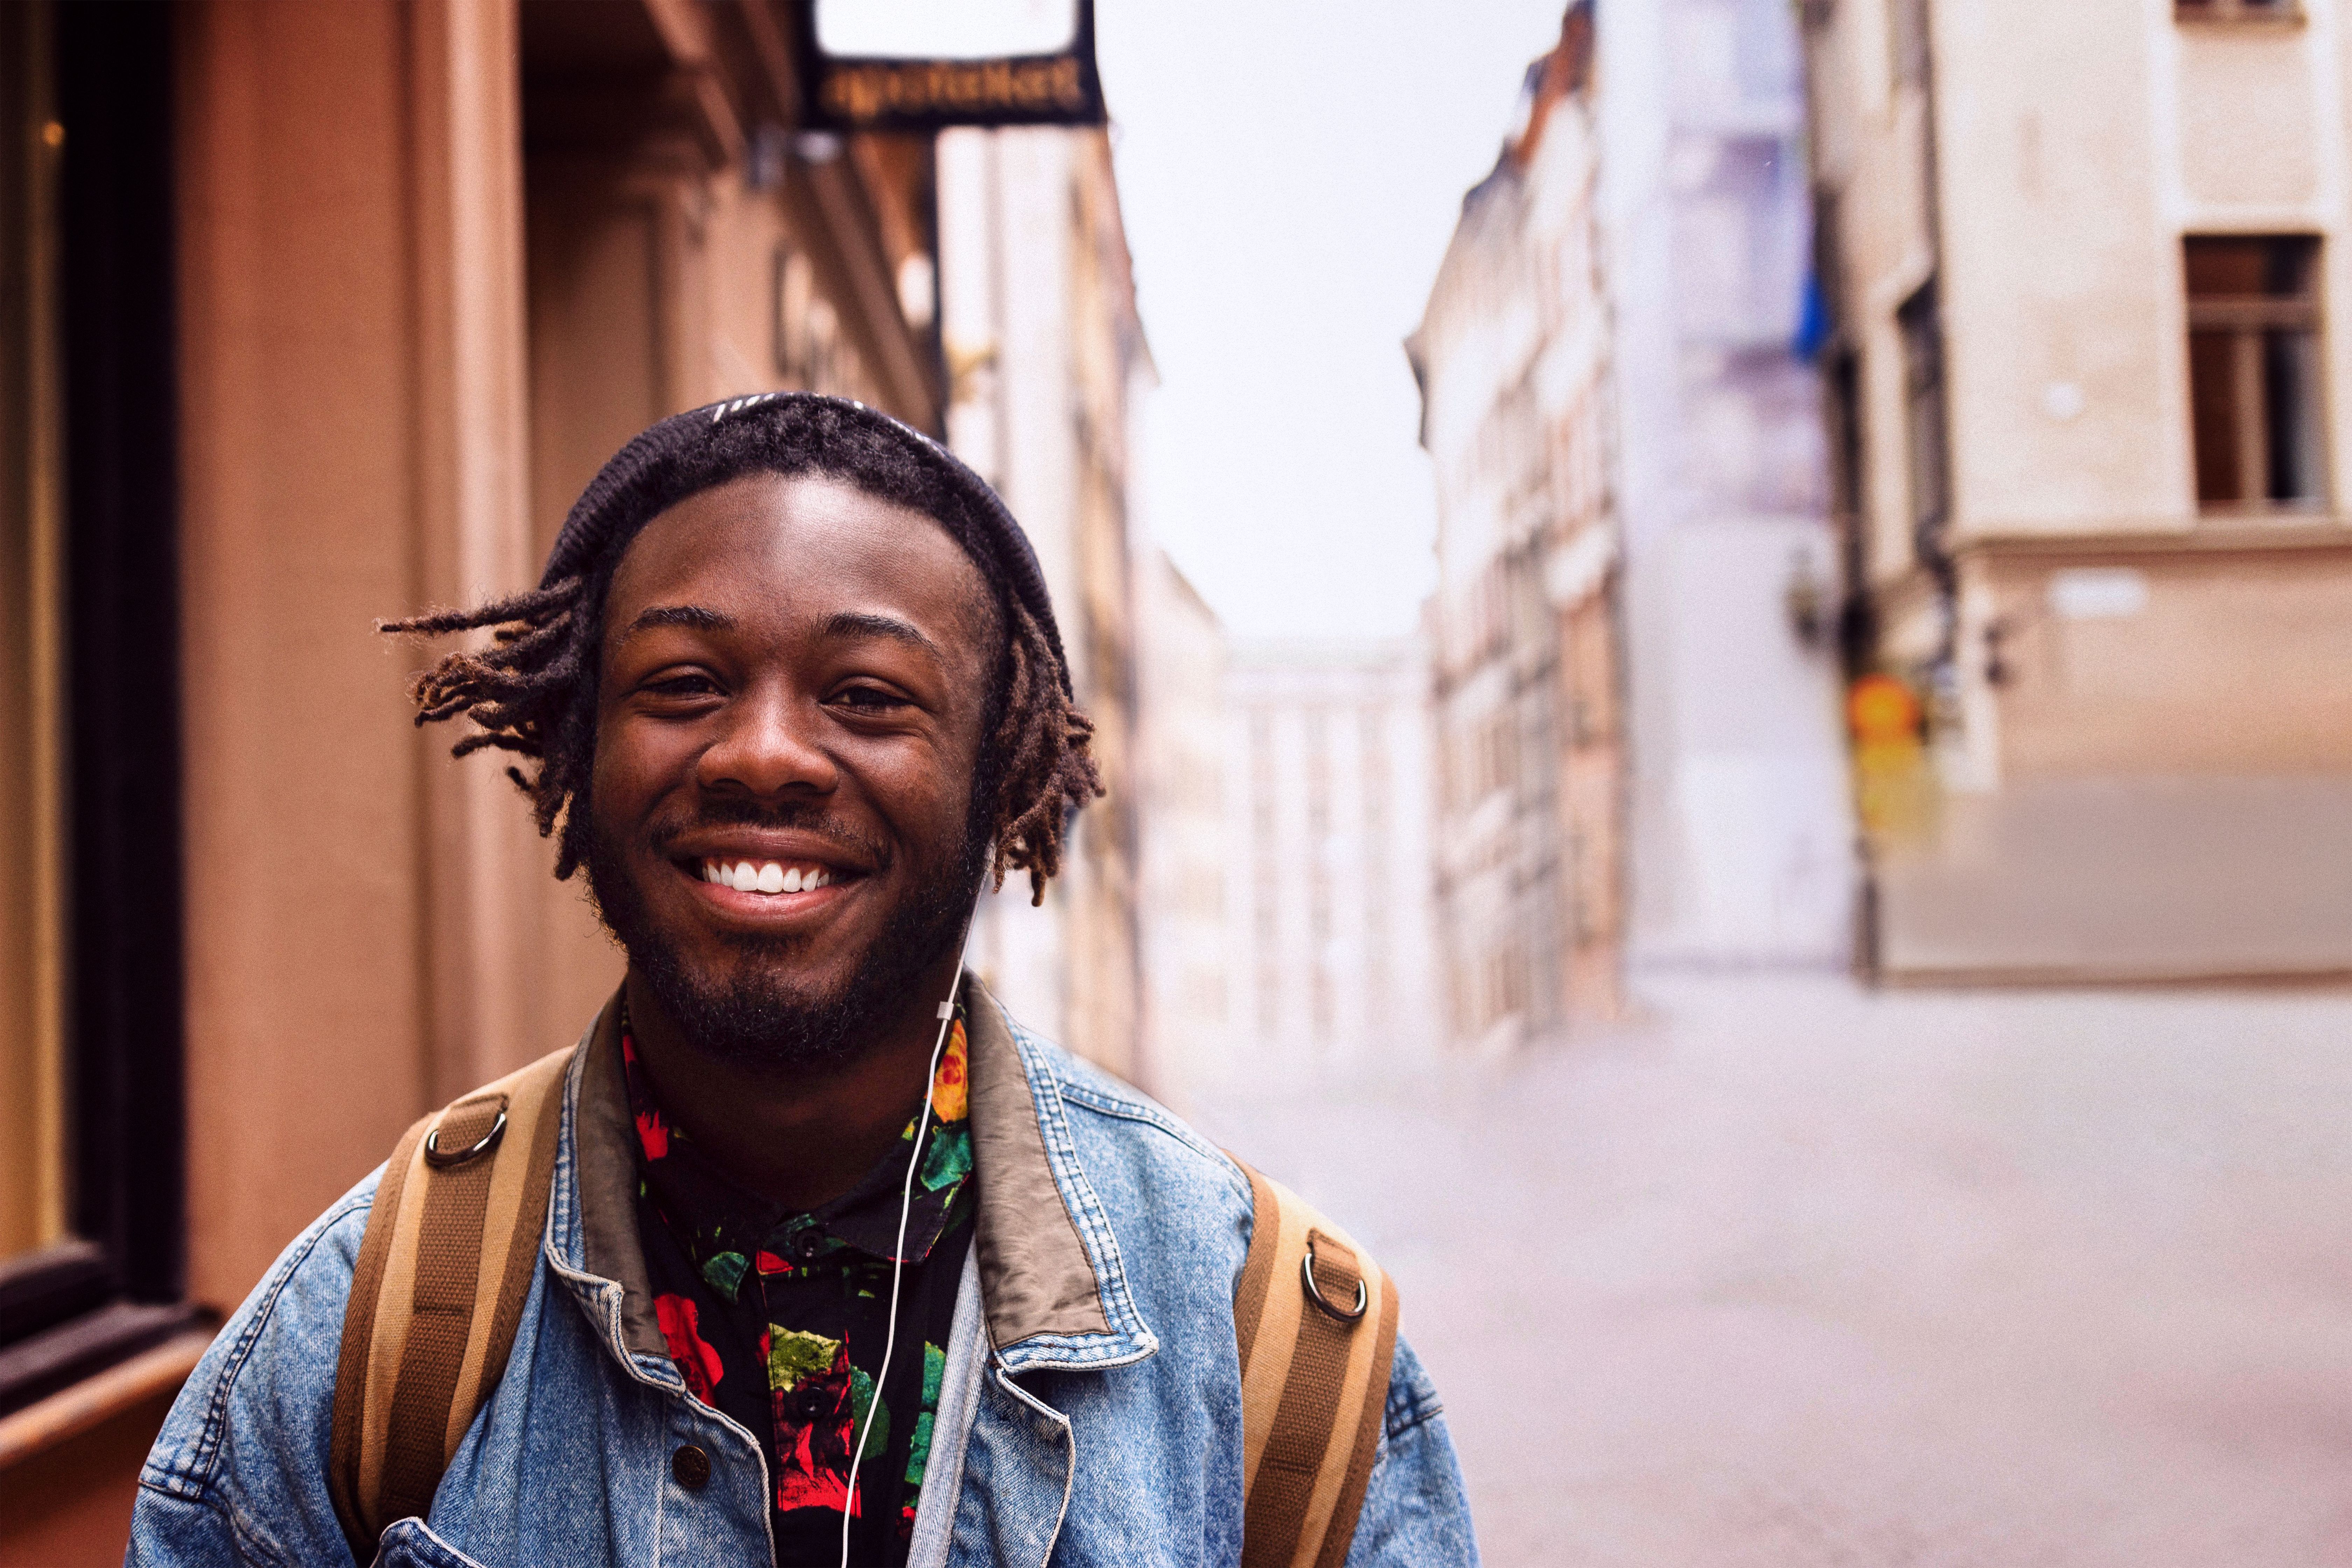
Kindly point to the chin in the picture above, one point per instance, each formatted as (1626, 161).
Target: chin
(758, 1017)
(786, 1003)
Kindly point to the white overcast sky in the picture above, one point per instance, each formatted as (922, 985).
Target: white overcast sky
(1290, 174)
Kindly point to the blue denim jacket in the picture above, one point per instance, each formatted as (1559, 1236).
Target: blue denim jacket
(1091, 1410)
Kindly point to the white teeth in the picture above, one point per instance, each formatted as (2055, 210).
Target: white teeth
(771, 876)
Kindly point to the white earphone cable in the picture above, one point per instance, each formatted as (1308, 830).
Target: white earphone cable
(898, 1250)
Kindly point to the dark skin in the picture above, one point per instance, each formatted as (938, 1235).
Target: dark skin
(791, 641)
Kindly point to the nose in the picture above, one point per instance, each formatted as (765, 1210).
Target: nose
(769, 750)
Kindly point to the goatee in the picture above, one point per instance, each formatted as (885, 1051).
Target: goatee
(754, 1017)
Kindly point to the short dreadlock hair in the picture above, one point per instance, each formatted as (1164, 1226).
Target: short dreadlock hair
(533, 690)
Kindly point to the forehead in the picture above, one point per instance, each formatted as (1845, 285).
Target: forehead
(772, 545)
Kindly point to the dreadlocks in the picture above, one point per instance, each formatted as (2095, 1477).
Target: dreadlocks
(533, 690)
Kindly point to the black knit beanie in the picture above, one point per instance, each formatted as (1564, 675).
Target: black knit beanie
(802, 432)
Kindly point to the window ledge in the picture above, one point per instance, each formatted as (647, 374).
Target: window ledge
(71, 1412)
(57, 1359)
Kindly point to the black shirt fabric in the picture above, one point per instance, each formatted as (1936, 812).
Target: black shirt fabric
(778, 1319)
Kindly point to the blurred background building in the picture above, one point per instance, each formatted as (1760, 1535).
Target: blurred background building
(1742, 837)
(1189, 857)
(1513, 360)
(1048, 360)
(2080, 262)
(1326, 827)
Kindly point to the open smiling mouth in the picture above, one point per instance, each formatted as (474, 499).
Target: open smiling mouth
(774, 877)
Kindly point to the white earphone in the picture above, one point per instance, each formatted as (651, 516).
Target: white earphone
(898, 1250)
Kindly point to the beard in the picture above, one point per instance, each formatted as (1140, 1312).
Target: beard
(754, 1016)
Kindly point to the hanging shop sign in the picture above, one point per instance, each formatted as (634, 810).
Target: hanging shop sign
(922, 64)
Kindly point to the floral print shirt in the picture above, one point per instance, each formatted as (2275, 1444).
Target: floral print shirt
(777, 1318)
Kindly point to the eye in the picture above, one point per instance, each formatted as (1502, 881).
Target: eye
(688, 683)
(868, 699)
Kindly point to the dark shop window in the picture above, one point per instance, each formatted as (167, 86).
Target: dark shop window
(1927, 436)
(91, 1213)
(2253, 371)
(2238, 10)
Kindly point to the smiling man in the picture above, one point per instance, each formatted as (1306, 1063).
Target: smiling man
(807, 1252)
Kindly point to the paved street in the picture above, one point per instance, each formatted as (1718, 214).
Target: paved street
(1787, 1273)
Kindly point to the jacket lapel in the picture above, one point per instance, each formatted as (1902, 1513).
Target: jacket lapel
(1052, 1295)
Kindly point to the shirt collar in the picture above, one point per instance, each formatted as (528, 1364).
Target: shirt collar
(727, 1230)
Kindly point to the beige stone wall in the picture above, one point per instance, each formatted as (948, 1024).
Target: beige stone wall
(2239, 663)
(358, 912)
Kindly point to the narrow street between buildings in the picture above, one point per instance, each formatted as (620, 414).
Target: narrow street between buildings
(1787, 1272)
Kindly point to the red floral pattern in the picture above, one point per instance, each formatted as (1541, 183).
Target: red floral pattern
(682, 1331)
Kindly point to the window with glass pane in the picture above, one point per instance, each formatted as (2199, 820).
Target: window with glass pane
(2253, 371)
(91, 1219)
(33, 1196)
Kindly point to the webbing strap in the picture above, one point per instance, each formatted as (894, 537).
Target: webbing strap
(437, 1291)
(1315, 1379)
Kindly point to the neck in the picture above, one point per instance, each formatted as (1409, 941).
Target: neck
(802, 1137)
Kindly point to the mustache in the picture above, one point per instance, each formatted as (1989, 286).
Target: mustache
(798, 817)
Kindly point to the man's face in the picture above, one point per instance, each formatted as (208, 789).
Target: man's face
(792, 686)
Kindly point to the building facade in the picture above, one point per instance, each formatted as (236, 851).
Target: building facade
(311, 315)
(2093, 416)
(1741, 833)
(1048, 360)
(1188, 856)
(1327, 824)
(1513, 358)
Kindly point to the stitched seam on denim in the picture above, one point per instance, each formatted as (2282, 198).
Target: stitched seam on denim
(1054, 1125)
(563, 1192)
(1408, 1409)
(1128, 1111)
(198, 1468)
(1032, 1355)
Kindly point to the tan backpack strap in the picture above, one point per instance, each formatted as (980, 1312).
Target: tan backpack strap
(1316, 1321)
(451, 1247)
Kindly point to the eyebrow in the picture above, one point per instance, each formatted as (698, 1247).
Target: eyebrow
(867, 624)
(697, 617)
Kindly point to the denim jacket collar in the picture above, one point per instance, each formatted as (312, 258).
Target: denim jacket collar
(1051, 1281)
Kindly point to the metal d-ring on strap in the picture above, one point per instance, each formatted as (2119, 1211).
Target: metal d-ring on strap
(1315, 1293)
(490, 1140)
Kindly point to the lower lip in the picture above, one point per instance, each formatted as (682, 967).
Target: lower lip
(767, 906)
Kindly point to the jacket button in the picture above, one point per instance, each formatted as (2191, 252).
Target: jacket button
(690, 1467)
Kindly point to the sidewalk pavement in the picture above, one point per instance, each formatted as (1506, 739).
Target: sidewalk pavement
(1784, 1272)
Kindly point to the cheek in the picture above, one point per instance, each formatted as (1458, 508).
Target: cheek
(628, 772)
(924, 797)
